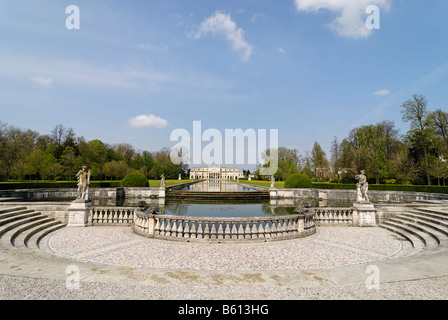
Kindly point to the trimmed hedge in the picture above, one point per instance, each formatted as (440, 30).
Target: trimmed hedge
(298, 180)
(383, 187)
(136, 180)
(49, 185)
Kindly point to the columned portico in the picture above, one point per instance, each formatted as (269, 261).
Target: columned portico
(215, 173)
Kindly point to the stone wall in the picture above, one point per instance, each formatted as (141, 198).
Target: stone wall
(52, 194)
(374, 195)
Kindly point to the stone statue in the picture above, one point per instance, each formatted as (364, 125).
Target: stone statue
(362, 187)
(303, 207)
(272, 182)
(162, 181)
(83, 177)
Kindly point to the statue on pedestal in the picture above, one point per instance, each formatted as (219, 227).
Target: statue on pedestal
(83, 177)
(272, 182)
(362, 187)
(162, 181)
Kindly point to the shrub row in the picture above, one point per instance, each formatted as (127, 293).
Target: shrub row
(64, 184)
(383, 187)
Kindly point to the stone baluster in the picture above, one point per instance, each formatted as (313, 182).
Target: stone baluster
(180, 228)
(247, 230)
(187, 229)
(227, 230)
(234, 233)
(193, 231)
(213, 231)
(274, 229)
(157, 227)
(200, 233)
(241, 230)
(267, 230)
(206, 230)
(220, 230)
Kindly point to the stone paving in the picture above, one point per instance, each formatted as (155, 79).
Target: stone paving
(329, 248)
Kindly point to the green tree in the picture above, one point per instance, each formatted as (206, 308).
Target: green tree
(415, 111)
(438, 168)
(319, 159)
(438, 120)
(68, 160)
(51, 167)
(402, 167)
(336, 154)
(35, 163)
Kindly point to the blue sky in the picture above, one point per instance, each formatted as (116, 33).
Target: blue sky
(137, 70)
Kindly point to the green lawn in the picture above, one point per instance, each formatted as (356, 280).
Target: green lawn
(168, 183)
(267, 184)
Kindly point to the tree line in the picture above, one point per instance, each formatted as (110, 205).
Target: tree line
(27, 155)
(417, 157)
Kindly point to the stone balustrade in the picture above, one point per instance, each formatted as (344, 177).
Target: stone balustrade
(333, 216)
(224, 229)
(112, 215)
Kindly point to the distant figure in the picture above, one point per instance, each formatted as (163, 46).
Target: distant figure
(162, 181)
(83, 177)
(362, 187)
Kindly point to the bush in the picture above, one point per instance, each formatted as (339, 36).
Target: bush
(298, 180)
(135, 180)
(57, 184)
(383, 187)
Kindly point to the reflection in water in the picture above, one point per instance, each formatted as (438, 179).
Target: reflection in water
(216, 186)
(222, 207)
(237, 208)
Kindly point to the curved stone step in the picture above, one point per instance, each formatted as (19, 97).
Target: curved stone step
(431, 239)
(443, 213)
(415, 238)
(18, 217)
(433, 221)
(10, 209)
(431, 214)
(33, 242)
(15, 234)
(12, 214)
(17, 223)
(415, 241)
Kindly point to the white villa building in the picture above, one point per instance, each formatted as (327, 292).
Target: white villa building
(215, 173)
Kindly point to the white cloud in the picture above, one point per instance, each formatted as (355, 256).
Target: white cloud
(223, 25)
(281, 50)
(150, 121)
(351, 21)
(383, 92)
(42, 81)
(256, 16)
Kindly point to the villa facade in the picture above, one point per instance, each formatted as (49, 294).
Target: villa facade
(215, 173)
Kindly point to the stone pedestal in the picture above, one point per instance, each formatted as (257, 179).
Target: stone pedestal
(162, 192)
(273, 193)
(79, 214)
(364, 214)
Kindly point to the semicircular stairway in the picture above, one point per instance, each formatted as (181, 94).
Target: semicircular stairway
(22, 228)
(424, 228)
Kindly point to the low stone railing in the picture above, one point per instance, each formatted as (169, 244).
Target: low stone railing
(333, 216)
(112, 215)
(277, 227)
(224, 229)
